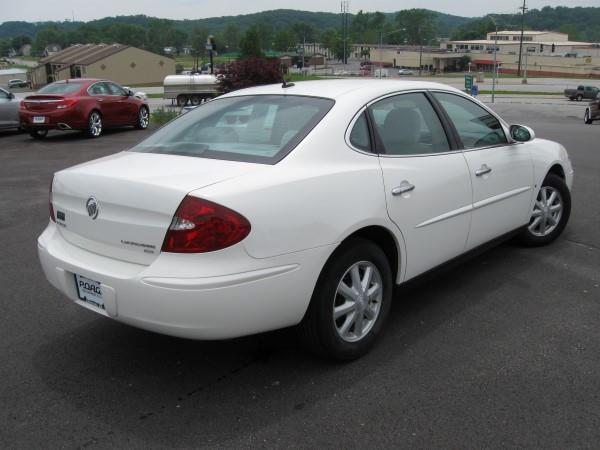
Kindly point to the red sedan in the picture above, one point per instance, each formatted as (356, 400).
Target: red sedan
(82, 104)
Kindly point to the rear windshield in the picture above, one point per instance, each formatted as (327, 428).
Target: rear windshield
(259, 128)
(60, 88)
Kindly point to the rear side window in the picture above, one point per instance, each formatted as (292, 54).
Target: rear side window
(60, 88)
(407, 124)
(258, 128)
(475, 125)
(359, 136)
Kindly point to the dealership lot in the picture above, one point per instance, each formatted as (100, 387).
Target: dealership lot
(500, 351)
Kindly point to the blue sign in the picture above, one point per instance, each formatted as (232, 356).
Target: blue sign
(474, 90)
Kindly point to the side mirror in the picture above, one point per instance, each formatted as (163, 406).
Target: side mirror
(129, 93)
(11, 95)
(521, 133)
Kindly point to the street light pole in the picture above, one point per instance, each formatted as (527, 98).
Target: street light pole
(381, 35)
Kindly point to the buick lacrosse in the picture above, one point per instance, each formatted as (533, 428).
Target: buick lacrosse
(300, 205)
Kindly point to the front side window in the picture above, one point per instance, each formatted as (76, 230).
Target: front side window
(407, 124)
(253, 128)
(475, 125)
(99, 88)
(115, 89)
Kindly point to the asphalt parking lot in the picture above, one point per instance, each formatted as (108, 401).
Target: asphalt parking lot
(501, 351)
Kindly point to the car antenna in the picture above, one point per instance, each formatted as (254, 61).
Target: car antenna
(284, 84)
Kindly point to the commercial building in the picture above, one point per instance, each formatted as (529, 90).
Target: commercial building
(544, 52)
(121, 63)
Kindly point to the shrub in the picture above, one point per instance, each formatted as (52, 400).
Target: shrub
(249, 72)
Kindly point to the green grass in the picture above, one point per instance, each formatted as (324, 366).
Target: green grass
(154, 95)
(299, 77)
(161, 116)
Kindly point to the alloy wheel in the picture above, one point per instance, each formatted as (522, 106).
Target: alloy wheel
(143, 118)
(95, 124)
(547, 212)
(357, 301)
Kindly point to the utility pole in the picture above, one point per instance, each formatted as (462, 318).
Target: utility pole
(495, 72)
(345, 7)
(524, 10)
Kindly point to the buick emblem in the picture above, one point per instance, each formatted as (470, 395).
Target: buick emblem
(92, 207)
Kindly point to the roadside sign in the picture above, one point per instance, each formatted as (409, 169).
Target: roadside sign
(474, 90)
(468, 82)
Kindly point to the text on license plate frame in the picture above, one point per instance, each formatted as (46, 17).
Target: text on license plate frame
(39, 119)
(89, 291)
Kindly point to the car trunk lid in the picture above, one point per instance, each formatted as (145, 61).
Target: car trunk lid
(43, 102)
(136, 196)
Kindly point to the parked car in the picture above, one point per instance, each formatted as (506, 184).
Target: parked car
(82, 104)
(9, 111)
(582, 92)
(139, 94)
(301, 205)
(405, 72)
(592, 112)
(17, 83)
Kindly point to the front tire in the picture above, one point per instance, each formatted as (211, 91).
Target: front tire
(587, 117)
(143, 118)
(94, 127)
(579, 97)
(38, 134)
(550, 213)
(350, 303)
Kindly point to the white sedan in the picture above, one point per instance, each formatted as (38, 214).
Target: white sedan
(297, 205)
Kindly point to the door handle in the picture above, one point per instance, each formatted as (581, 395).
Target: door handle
(404, 187)
(483, 170)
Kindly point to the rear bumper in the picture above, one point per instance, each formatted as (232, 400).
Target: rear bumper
(54, 120)
(273, 293)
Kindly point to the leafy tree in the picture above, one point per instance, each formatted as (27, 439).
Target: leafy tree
(250, 45)
(367, 27)
(230, 38)
(333, 41)
(284, 40)
(572, 31)
(305, 32)
(5, 46)
(476, 29)
(127, 34)
(418, 25)
(18, 41)
(48, 35)
(158, 34)
(249, 72)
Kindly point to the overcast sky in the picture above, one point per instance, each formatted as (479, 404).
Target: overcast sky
(41, 10)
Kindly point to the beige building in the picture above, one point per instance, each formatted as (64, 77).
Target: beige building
(121, 63)
(544, 52)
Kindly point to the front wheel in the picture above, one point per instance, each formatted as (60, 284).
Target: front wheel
(143, 118)
(587, 117)
(579, 97)
(550, 213)
(350, 303)
(94, 128)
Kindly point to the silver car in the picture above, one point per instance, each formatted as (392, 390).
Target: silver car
(9, 110)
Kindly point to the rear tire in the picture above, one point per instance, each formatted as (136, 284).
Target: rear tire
(38, 134)
(195, 100)
(143, 118)
(340, 302)
(182, 100)
(579, 97)
(587, 117)
(94, 126)
(550, 213)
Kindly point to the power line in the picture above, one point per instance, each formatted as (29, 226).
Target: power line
(345, 7)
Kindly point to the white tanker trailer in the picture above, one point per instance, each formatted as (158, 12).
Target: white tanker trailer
(190, 89)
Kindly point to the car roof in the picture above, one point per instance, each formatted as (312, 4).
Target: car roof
(338, 88)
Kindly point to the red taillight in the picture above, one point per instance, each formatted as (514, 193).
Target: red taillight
(50, 206)
(67, 103)
(22, 104)
(201, 226)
